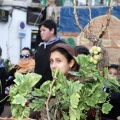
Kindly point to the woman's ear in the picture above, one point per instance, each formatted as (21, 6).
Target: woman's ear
(72, 62)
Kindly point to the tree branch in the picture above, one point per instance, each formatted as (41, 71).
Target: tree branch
(50, 93)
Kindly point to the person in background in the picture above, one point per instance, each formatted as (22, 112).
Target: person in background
(62, 58)
(113, 71)
(114, 96)
(3, 76)
(25, 65)
(48, 35)
(82, 50)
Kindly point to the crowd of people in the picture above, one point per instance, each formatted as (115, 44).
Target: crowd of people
(52, 53)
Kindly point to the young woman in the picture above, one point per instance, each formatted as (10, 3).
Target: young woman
(62, 58)
(25, 65)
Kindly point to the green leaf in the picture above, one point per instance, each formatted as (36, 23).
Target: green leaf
(103, 97)
(45, 86)
(106, 107)
(33, 78)
(74, 99)
(15, 108)
(65, 116)
(92, 101)
(106, 73)
(26, 112)
(77, 86)
(18, 99)
(18, 78)
(13, 91)
(114, 84)
(74, 114)
(37, 104)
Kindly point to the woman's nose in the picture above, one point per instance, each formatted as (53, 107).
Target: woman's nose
(53, 65)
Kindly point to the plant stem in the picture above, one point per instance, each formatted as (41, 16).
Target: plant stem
(49, 96)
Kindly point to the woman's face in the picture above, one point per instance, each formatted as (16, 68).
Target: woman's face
(112, 73)
(59, 61)
(25, 55)
(46, 34)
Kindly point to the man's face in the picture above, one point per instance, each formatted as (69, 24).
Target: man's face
(46, 34)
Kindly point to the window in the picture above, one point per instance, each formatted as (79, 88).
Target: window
(33, 19)
(19, 0)
(35, 16)
(4, 15)
(36, 1)
(33, 39)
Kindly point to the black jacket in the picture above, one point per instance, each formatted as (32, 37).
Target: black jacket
(10, 76)
(3, 76)
(115, 102)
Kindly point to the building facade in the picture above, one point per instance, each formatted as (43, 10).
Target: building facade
(19, 20)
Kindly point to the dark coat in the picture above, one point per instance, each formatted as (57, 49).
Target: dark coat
(115, 102)
(10, 77)
(3, 76)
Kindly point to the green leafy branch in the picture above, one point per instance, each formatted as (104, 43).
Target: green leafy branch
(74, 98)
(20, 93)
(64, 99)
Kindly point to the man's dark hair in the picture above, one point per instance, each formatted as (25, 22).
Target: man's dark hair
(113, 66)
(50, 24)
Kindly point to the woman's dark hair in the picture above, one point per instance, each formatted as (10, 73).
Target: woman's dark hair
(50, 24)
(30, 51)
(82, 50)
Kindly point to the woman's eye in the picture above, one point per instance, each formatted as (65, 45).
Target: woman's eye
(58, 61)
(110, 72)
(51, 61)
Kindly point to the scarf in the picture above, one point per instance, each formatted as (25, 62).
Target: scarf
(50, 42)
(26, 67)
